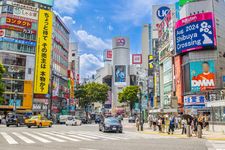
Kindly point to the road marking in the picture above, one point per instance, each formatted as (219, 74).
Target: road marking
(50, 137)
(64, 137)
(37, 137)
(105, 137)
(8, 138)
(25, 139)
(88, 136)
(82, 138)
(73, 135)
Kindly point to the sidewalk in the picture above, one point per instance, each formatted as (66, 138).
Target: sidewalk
(219, 136)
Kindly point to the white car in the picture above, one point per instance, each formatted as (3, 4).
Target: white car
(72, 121)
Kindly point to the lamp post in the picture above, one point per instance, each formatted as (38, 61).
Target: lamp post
(14, 102)
(140, 108)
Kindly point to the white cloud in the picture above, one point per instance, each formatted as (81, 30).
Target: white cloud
(89, 64)
(67, 6)
(68, 20)
(91, 41)
(136, 10)
(110, 28)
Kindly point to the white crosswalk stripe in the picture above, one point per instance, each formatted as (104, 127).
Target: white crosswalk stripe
(63, 137)
(50, 137)
(8, 138)
(217, 145)
(37, 137)
(25, 139)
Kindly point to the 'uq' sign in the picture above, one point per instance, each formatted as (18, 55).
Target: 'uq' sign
(162, 12)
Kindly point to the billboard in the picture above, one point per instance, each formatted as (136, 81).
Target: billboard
(136, 59)
(183, 2)
(108, 55)
(202, 75)
(18, 22)
(178, 79)
(195, 32)
(46, 2)
(159, 12)
(120, 74)
(194, 100)
(150, 62)
(120, 42)
(43, 52)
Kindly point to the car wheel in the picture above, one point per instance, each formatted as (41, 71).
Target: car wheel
(66, 124)
(7, 125)
(50, 125)
(40, 125)
(121, 131)
(28, 126)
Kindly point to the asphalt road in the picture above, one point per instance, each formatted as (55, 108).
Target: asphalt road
(87, 137)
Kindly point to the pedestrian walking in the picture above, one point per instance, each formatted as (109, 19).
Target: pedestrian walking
(150, 120)
(172, 125)
(200, 120)
(154, 123)
(195, 125)
(137, 121)
(159, 123)
(163, 124)
(184, 126)
(167, 124)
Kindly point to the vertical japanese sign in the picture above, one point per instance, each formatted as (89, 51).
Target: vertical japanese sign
(43, 52)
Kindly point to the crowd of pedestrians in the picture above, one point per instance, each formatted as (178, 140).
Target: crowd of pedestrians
(170, 123)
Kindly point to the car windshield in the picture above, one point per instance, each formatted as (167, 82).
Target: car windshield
(34, 117)
(111, 120)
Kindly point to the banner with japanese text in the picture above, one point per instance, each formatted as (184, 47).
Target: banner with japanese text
(43, 52)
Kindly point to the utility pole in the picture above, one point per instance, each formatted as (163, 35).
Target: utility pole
(14, 102)
(140, 107)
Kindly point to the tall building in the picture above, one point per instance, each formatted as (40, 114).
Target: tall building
(202, 56)
(146, 45)
(159, 12)
(59, 78)
(121, 63)
(17, 52)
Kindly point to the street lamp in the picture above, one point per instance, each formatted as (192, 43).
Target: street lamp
(14, 102)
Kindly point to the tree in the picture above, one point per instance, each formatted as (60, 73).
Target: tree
(129, 95)
(2, 70)
(97, 92)
(90, 93)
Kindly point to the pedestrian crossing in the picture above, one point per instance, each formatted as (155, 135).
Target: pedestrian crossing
(217, 145)
(33, 137)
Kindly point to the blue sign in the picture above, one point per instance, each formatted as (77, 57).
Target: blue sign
(18, 102)
(197, 35)
(162, 12)
(6, 39)
(223, 78)
(194, 100)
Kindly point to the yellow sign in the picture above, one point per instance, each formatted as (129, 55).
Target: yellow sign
(43, 52)
(150, 61)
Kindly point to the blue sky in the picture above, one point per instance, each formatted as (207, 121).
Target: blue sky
(93, 23)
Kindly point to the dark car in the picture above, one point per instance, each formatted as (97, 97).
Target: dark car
(111, 124)
(15, 119)
(131, 119)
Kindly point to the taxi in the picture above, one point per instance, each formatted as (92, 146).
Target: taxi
(38, 122)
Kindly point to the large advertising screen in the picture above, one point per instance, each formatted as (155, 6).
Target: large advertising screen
(195, 32)
(46, 2)
(43, 52)
(120, 74)
(202, 75)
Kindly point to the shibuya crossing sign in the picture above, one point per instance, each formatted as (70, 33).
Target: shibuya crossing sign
(195, 32)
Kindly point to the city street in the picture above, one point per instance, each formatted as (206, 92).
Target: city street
(87, 137)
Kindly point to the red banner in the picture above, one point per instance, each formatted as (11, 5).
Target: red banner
(18, 22)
